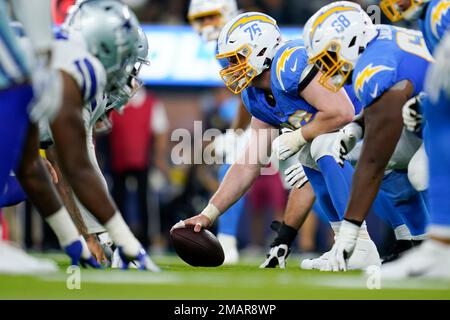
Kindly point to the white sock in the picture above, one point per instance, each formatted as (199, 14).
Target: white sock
(402, 233)
(63, 226)
(335, 226)
(122, 235)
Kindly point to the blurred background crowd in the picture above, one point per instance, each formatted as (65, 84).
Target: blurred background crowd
(135, 154)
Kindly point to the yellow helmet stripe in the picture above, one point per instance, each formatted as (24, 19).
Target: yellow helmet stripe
(247, 19)
(437, 14)
(325, 16)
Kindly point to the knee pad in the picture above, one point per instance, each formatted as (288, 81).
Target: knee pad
(418, 170)
(324, 145)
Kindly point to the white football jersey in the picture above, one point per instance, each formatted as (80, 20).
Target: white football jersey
(71, 56)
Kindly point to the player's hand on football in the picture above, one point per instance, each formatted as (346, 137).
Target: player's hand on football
(295, 176)
(199, 221)
(349, 136)
(343, 247)
(412, 117)
(288, 144)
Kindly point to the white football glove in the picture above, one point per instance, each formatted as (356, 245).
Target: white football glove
(412, 118)
(349, 136)
(343, 247)
(48, 90)
(288, 144)
(295, 176)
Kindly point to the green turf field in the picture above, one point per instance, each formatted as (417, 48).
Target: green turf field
(244, 281)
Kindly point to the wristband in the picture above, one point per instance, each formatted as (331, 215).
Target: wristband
(211, 212)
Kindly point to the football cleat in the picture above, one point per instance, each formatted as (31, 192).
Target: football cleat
(400, 247)
(429, 260)
(142, 261)
(14, 260)
(276, 257)
(229, 245)
(75, 251)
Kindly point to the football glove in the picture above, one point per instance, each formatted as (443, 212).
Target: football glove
(295, 176)
(343, 247)
(349, 136)
(288, 144)
(412, 117)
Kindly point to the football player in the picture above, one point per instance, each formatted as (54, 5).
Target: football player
(207, 18)
(90, 59)
(432, 259)
(86, 223)
(23, 84)
(280, 89)
(343, 42)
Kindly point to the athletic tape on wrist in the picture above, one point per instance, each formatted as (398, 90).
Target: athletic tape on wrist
(211, 212)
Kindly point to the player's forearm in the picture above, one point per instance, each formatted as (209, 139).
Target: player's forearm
(236, 183)
(242, 119)
(324, 123)
(36, 19)
(66, 194)
(383, 124)
(34, 177)
(365, 186)
(95, 198)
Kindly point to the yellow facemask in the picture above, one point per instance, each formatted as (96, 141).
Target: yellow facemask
(238, 75)
(392, 10)
(335, 70)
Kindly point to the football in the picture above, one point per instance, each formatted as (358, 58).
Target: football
(199, 249)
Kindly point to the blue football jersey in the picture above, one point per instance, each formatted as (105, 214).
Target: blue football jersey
(435, 23)
(287, 109)
(396, 54)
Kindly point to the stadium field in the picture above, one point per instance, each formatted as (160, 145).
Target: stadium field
(244, 281)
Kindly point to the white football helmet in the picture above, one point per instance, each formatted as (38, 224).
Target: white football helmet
(201, 9)
(248, 42)
(110, 31)
(335, 37)
(397, 10)
(129, 84)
